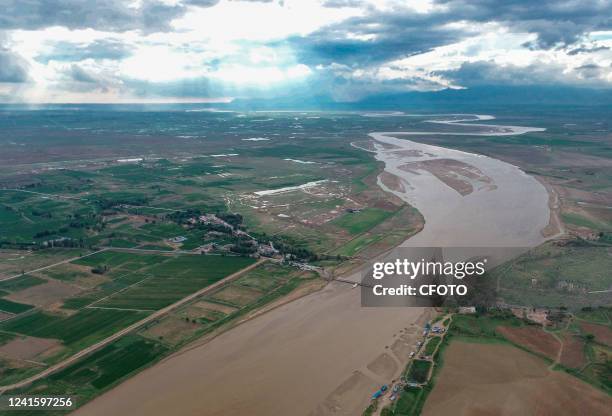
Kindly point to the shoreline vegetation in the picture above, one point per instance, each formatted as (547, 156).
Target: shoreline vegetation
(325, 219)
(500, 327)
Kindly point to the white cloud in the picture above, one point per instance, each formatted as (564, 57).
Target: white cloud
(260, 76)
(250, 45)
(495, 44)
(259, 21)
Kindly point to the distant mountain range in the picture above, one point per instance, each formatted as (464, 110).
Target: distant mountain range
(478, 97)
(481, 98)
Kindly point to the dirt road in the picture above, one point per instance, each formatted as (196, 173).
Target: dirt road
(116, 335)
(318, 355)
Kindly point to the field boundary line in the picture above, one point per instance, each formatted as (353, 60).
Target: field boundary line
(91, 305)
(119, 309)
(53, 265)
(87, 199)
(125, 331)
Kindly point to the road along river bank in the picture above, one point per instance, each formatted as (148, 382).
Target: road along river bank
(324, 354)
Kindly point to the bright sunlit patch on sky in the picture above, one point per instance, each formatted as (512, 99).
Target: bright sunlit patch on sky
(154, 49)
(260, 21)
(260, 76)
(160, 63)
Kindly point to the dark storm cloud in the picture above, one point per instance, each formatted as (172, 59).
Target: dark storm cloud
(393, 34)
(402, 32)
(78, 79)
(13, 68)
(486, 73)
(586, 49)
(99, 49)
(556, 22)
(80, 75)
(591, 71)
(108, 15)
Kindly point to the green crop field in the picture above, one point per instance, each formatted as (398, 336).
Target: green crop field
(408, 399)
(550, 269)
(76, 331)
(483, 327)
(599, 315)
(431, 345)
(265, 277)
(111, 363)
(116, 259)
(357, 244)
(358, 222)
(581, 221)
(174, 279)
(29, 217)
(419, 371)
(20, 283)
(13, 307)
(63, 273)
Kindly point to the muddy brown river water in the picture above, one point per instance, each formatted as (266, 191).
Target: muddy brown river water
(324, 354)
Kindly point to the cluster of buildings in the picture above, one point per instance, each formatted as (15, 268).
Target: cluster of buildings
(266, 250)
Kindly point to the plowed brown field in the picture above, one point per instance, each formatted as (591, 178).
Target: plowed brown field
(497, 379)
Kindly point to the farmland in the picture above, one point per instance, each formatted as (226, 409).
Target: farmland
(563, 354)
(261, 286)
(132, 287)
(557, 274)
(493, 369)
(565, 358)
(195, 175)
(431, 346)
(419, 371)
(75, 331)
(93, 244)
(201, 317)
(305, 194)
(361, 221)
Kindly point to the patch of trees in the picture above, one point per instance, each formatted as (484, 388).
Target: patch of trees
(46, 233)
(234, 219)
(215, 227)
(18, 246)
(60, 242)
(108, 203)
(43, 214)
(100, 269)
(244, 247)
(93, 221)
(287, 245)
(181, 217)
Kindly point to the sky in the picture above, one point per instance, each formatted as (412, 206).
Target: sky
(113, 51)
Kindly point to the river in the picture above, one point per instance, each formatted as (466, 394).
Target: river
(324, 354)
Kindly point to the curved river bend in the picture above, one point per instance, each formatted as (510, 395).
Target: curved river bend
(324, 354)
(468, 200)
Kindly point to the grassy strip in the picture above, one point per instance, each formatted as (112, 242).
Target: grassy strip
(13, 307)
(362, 221)
(412, 399)
(431, 345)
